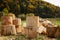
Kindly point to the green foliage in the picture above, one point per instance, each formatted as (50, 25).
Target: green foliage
(22, 16)
(37, 7)
(5, 10)
(29, 14)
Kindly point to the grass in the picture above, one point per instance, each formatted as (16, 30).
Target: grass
(55, 21)
(22, 22)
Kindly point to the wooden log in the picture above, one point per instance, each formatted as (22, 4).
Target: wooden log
(6, 20)
(12, 15)
(51, 31)
(41, 30)
(29, 32)
(18, 29)
(8, 30)
(13, 30)
(17, 21)
(57, 34)
(32, 21)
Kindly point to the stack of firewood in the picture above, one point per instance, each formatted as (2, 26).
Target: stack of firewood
(17, 23)
(10, 25)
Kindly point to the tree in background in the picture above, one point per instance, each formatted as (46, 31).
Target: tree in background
(37, 7)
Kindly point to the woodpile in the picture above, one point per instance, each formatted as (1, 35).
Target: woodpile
(32, 21)
(29, 32)
(57, 33)
(10, 24)
(17, 21)
(6, 20)
(13, 30)
(41, 30)
(51, 31)
(8, 30)
(18, 29)
(12, 15)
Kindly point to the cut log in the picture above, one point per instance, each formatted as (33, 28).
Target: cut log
(8, 30)
(57, 34)
(41, 30)
(51, 31)
(29, 32)
(12, 15)
(17, 21)
(32, 21)
(18, 29)
(6, 20)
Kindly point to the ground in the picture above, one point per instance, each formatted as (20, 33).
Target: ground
(56, 21)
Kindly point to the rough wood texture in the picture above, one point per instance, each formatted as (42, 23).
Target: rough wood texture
(41, 30)
(8, 30)
(6, 20)
(12, 15)
(13, 30)
(57, 34)
(32, 21)
(29, 32)
(51, 31)
(17, 21)
(18, 29)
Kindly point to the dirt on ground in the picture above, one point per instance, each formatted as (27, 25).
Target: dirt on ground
(39, 37)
